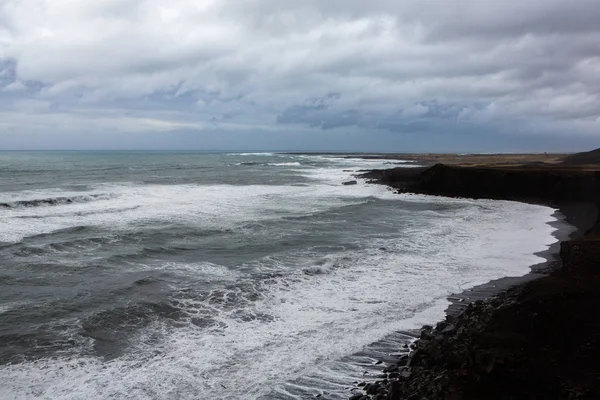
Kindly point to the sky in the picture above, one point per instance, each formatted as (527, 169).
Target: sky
(335, 75)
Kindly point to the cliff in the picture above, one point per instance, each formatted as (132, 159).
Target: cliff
(550, 185)
(540, 185)
(538, 340)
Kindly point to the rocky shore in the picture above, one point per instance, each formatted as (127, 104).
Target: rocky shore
(537, 340)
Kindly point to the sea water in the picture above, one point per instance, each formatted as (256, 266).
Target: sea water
(185, 275)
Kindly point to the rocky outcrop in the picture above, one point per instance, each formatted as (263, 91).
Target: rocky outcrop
(540, 185)
(538, 340)
(398, 178)
(548, 185)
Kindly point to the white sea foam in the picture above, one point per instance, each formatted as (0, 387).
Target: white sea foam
(308, 312)
(362, 163)
(251, 154)
(285, 164)
(11, 306)
(301, 321)
(341, 169)
(201, 270)
(122, 206)
(212, 206)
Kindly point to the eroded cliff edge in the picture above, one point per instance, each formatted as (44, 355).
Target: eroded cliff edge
(539, 340)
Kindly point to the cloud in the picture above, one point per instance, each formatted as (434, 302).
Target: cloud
(378, 66)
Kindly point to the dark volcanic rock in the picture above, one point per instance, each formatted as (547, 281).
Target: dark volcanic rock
(539, 340)
(372, 388)
(540, 185)
(348, 183)
(397, 178)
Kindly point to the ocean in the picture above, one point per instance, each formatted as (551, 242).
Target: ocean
(186, 275)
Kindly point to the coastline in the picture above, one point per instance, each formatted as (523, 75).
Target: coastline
(476, 351)
(565, 230)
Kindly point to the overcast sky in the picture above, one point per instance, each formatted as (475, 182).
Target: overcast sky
(372, 75)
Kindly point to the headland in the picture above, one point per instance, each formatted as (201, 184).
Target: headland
(531, 338)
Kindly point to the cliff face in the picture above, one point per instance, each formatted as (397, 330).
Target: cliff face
(538, 340)
(553, 186)
(397, 178)
(540, 185)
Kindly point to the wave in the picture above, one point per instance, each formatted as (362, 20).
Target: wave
(263, 164)
(251, 154)
(240, 330)
(213, 207)
(54, 201)
(319, 269)
(82, 213)
(285, 164)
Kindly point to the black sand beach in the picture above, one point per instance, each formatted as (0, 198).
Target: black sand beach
(534, 337)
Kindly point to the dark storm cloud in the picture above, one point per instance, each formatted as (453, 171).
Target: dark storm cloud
(246, 66)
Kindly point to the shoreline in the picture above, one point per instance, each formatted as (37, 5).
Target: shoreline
(436, 366)
(564, 231)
